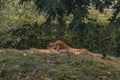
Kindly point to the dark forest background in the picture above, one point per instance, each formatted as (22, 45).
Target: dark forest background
(90, 24)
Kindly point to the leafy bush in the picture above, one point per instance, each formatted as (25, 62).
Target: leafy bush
(21, 25)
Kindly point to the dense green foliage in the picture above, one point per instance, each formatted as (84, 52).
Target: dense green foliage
(90, 24)
(25, 66)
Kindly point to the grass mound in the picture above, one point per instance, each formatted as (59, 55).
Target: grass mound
(25, 66)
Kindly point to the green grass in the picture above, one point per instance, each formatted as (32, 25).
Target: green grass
(26, 66)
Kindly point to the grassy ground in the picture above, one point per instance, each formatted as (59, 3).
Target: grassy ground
(26, 66)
